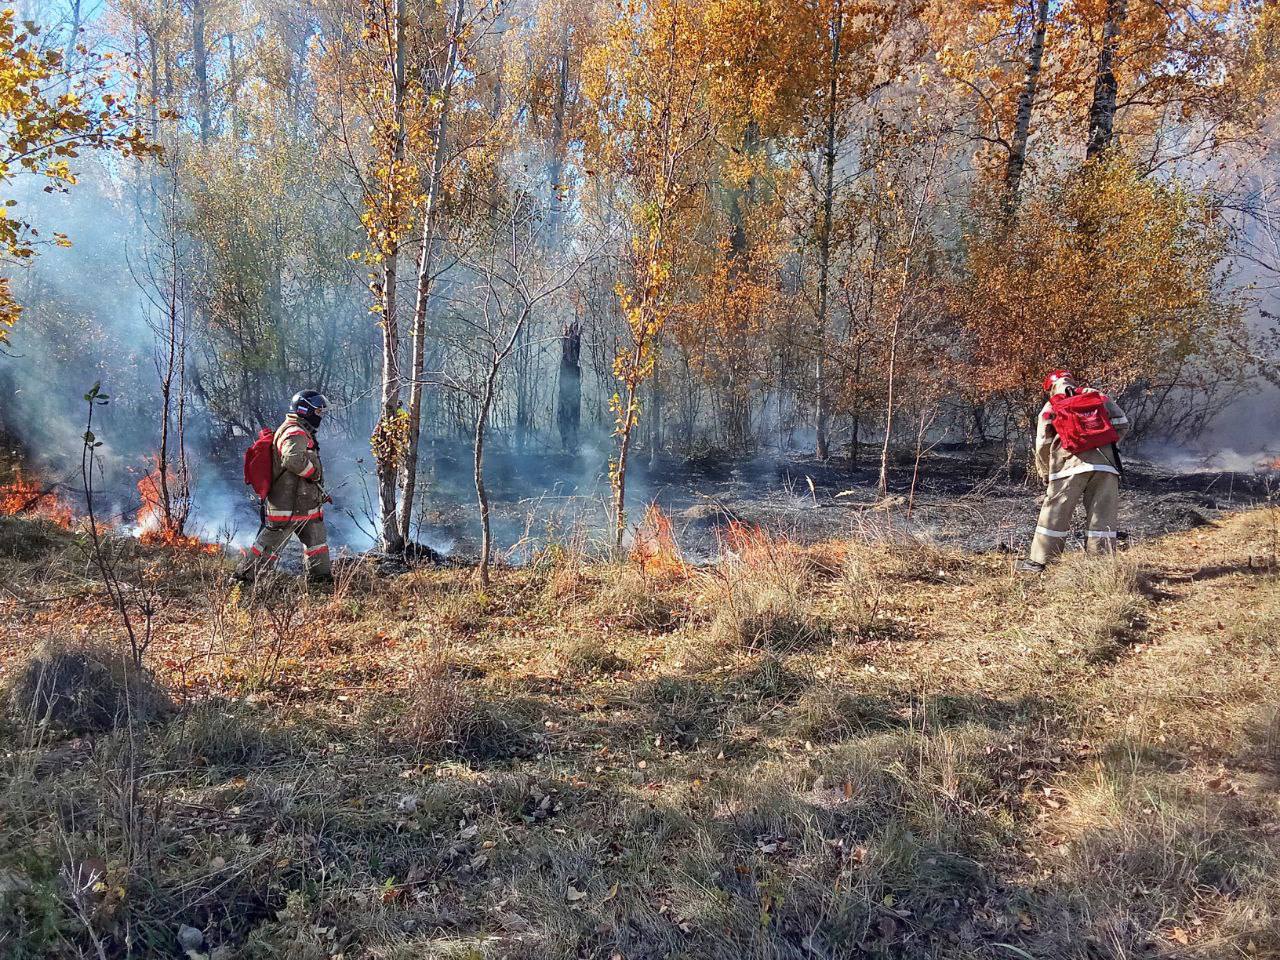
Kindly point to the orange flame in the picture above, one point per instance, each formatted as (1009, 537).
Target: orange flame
(754, 546)
(158, 527)
(655, 549)
(747, 540)
(29, 497)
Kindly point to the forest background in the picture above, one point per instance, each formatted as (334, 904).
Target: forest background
(602, 231)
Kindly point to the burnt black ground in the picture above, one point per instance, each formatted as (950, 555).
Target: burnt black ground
(964, 500)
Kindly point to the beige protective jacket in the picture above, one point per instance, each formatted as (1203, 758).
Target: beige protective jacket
(1054, 463)
(297, 493)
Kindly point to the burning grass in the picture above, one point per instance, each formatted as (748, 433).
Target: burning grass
(655, 550)
(943, 766)
(25, 496)
(164, 510)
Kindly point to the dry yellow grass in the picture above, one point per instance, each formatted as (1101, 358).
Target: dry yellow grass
(876, 748)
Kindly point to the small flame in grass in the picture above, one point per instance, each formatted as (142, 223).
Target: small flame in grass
(655, 549)
(755, 547)
(747, 540)
(32, 498)
(158, 526)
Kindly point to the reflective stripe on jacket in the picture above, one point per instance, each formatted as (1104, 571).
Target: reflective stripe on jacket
(297, 494)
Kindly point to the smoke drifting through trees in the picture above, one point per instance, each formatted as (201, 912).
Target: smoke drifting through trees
(643, 229)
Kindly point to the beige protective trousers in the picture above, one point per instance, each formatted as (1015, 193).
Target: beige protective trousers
(1100, 492)
(272, 537)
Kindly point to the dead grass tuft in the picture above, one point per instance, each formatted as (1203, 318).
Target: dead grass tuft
(444, 716)
(831, 712)
(222, 736)
(761, 594)
(1097, 600)
(586, 657)
(1151, 855)
(631, 600)
(1267, 736)
(85, 690)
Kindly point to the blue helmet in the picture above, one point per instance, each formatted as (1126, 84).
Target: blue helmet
(310, 406)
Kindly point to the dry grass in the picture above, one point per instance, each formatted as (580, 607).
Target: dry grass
(84, 689)
(857, 749)
(760, 596)
(629, 599)
(1096, 601)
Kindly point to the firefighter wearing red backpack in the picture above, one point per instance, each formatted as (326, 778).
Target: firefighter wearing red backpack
(1076, 436)
(284, 469)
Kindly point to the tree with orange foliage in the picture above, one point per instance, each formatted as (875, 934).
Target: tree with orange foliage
(1110, 274)
(50, 111)
(378, 71)
(371, 79)
(650, 130)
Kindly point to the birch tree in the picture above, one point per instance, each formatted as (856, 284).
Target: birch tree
(428, 254)
(650, 130)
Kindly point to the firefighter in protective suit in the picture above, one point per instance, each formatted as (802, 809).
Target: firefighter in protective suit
(295, 503)
(1092, 476)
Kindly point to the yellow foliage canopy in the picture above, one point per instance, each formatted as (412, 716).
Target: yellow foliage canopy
(47, 115)
(1107, 272)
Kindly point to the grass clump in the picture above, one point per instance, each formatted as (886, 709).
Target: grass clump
(89, 689)
(630, 600)
(223, 736)
(1151, 861)
(1097, 599)
(830, 713)
(587, 657)
(444, 714)
(762, 596)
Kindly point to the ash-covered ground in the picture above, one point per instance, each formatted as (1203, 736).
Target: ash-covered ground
(961, 499)
(965, 499)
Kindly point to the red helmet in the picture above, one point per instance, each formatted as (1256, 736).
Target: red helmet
(1054, 377)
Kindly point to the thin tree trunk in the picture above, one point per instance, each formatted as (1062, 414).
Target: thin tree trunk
(392, 541)
(426, 265)
(482, 495)
(655, 415)
(855, 427)
(1102, 112)
(824, 237)
(233, 86)
(200, 67)
(555, 168)
(497, 358)
(620, 480)
(1026, 104)
(923, 426)
(73, 39)
(889, 402)
(166, 389)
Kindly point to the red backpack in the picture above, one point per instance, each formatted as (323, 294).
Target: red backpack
(259, 470)
(1081, 421)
